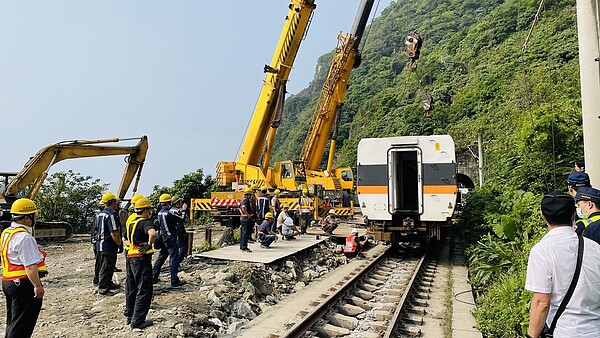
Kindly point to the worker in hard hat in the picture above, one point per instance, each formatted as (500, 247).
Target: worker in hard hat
(168, 232)
(329, 223)
(305, 211)
(177, 214)
(265, 234)
(247, 215)
(288, 229)
(133, 214)
(108, 242)
(276, 206)
(263, 205)
(355, 244)
(23, 266)
(131, 217)
(140, 235)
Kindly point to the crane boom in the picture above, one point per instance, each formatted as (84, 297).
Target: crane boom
(296, 23)
(334, 90)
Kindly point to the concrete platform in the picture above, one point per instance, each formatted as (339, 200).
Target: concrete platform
(278, 250)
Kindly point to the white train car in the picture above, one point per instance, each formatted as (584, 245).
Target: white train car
(407, 186)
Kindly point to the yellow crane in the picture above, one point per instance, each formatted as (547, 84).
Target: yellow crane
(252, 166)
(28, 181)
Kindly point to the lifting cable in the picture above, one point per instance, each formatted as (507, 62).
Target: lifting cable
(535, 19)
(370, 25)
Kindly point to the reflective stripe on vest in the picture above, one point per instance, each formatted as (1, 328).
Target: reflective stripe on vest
(134, 250)
(589, 221)
(350, 244)
(11, 271)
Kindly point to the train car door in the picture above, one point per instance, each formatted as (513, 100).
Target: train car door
(405, 184)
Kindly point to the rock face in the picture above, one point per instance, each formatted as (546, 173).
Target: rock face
(219, 299)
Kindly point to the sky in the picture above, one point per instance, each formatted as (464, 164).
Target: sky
(185, 73)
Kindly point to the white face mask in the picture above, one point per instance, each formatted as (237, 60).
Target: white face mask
(580, 213)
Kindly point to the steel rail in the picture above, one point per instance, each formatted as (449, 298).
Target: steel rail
(394, 320)
(319, 311)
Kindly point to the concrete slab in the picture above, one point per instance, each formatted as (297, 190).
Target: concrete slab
(463, 322)
(278, 250)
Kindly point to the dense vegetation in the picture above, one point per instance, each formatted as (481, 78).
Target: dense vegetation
(526, 103)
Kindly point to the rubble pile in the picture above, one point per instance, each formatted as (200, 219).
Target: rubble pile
(238, 292)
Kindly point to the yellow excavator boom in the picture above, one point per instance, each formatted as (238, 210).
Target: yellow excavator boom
(36, 169)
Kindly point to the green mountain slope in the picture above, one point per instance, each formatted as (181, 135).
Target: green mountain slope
(526, 104)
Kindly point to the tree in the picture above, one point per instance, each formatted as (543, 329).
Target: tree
(71, 198)
(192, 185)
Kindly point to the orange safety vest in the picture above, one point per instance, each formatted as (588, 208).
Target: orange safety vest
(134, 250)
(12, 271)
(350, 244)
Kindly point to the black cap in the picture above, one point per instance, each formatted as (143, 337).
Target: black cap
(558, 208)
(588, 194)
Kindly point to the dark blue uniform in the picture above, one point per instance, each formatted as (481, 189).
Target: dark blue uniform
(107, 221)
(168, 231)
(593, 229)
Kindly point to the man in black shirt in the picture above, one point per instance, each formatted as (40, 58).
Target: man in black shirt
(140, 236)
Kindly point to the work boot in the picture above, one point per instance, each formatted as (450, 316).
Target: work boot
(178, 283)
(142, 325)
(113, 286)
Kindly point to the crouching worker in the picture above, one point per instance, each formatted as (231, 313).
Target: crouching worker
(355, 245)
(265, 234)
(23, 264)
(288, 229)
(329, 223)
(138, 288)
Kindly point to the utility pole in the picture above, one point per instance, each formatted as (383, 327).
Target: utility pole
(588, 32)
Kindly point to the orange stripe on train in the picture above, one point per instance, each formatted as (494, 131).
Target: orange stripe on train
(427, 189)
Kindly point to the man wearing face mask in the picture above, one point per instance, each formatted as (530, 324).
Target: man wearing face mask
(576, 180)
(588, 202)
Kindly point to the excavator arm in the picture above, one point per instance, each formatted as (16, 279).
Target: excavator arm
(31, 177)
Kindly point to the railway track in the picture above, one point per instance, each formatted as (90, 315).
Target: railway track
(387, 297)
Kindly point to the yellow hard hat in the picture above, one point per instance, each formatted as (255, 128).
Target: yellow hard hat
(23, 206)
(107, 197)
(142, 203)
(305, 191)
(248, 190)
(277, 192)
(175, 199)
(135, 197)
(269, 215)
(164, 198)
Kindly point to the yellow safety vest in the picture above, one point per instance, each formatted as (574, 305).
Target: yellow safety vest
(588, 221)
(134, 250)
(12, 271)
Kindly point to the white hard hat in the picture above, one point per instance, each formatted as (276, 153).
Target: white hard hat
(288, 221)
(355, 231)
(331, 211)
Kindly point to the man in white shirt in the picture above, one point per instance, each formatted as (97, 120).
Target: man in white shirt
(550, 269)
(281, 217)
